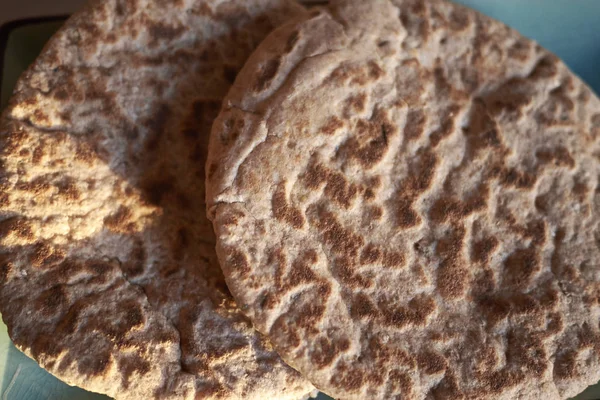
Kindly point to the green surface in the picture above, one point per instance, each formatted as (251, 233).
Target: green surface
(568, 30)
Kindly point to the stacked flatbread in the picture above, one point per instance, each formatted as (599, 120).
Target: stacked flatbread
(109, 277)
(405, 195)
(406, 199)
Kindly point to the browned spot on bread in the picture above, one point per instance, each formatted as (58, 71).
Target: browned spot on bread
(372, 214)
(332, 126)
(38, 186)
(283, 211)
(370, 254)
(447, 125)
(239, 263)
(520, 268)
(482, 249)
(130, 365)
(448, 208)
(131, 317)
(482, 131)
(520, 50)
(309, 315)
(549, 299)
(374, 182)
(401, 383)
(13, 141)
(348, 378)
(315, 175)
(494, 309)
(384, 354)
(452, 280)
(135, 264)
(452, 276)
(40, 117)
(277, 258)
(96, 365)
(343, 268)
(4, 200)
(555, 262)
(486, 359)
(61, 94)
(499, 381)
(484, 282)
(340, 190)
(527, 351)
(508, 98)
(413, 186)
(160, 31)
(68, 189)
(300, 271)
(342, 241)
(431, 362)
(580, 189)
(448, 388)
(410, 83)
(459, 19)
(422, 178)
(51, 300)
(374, 70)
(44, 255)
(417, 312)
(415, 124)
(83, 152)
(406, 216)
(565, 366)
(421, 307)
(416, 22)
(5, 269)
(393, 259)
(370, 142)
(266, 74)
(355, 104)
(326, 350)
(120, 221)
(558, 156)
(17, 226)
(356, 74)
(363, 307)
(534, 230)
(523, 304)
(558, 109)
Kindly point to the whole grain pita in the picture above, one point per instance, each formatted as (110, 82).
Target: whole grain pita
(109, 277)
(406, 200)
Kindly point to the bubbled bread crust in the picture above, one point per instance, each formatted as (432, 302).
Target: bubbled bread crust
(406, 201)
(108, 274)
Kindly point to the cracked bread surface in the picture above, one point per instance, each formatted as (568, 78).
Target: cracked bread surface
(108, 273)
(406, 200)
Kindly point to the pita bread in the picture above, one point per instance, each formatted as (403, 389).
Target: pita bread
(109, 278)
(410, 207)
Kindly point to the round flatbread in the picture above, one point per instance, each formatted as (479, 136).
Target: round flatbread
(108, 274)
(406, 200)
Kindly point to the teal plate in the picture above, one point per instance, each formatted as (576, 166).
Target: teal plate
(569, 28)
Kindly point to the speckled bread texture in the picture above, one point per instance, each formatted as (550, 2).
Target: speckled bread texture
(406, 200)
(108, 274)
